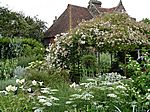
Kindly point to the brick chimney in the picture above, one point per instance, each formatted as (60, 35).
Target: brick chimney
(55, 19)
(92, 7)
(95, 2)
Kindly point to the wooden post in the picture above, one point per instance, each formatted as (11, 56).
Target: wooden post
(70, 18)
(125, 62)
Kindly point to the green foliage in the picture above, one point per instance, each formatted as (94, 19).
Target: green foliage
(140, 72)
(7, 68)
(18, 52)
(49, 77)
(7, 82)
(16, 47)
(18, 103)
(104, 62)
(13, 24)
(146, 20)
(25, 60)
(89, 64)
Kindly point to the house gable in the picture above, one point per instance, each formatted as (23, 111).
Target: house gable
(73, 15)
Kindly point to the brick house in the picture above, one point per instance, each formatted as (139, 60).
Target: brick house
(73, 15)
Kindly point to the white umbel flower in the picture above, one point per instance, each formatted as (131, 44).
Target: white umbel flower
(11, 88)
(41, 83)
(74, 85)
(42, 100)
(120, 87)
(148, 97)
(34, 82)
(18, 81)
(29, 89)
(82, 42)
(48, 104)
(38, 110)
(112, 95)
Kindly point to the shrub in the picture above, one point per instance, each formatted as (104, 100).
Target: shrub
(140, 72)
(52, 78)
(19, 71)
(16, 47)
(7, 68)
(24, 61)
(5, 83)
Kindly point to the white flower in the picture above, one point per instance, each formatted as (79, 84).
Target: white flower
(41, 83)
(42, 100)
(41, 97)
(48, 104)
(148, 90)
(69, 102)
(76, 96)
(90, 79)
(18, 81)
(11, 88)
(14, 88)
(21, 87)
(87, 96)
(45, 91)
(34, 82)
(4, 92)
(74, 85)
(54, 90)
(54, 98)
(120, 87)
(40, 62)
(82, 42)
(82, 84)
(22, 81)
(112, 95)
(148, 97)
(29, 90)
(38, 110)
(45, 88)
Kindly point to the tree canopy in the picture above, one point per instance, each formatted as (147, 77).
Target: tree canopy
(14, 24)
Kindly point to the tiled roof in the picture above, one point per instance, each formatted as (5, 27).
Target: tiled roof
(73, 15)
(100, 9)
(76, 13)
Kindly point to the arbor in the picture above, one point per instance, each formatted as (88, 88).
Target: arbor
(13, 24)
(113, 32)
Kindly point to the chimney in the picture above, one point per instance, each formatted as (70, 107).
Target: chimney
(55, 19)
(95, 2)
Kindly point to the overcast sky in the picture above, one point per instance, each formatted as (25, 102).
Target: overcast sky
(48, 9)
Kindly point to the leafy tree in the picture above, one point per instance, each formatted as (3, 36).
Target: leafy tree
(14, 24)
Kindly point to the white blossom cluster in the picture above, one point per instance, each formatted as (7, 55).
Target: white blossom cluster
(92, 88)
(112, 32)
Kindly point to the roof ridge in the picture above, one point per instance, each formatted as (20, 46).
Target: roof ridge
(120, 4)
(76, 6)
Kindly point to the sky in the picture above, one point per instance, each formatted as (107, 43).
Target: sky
(46, 10)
